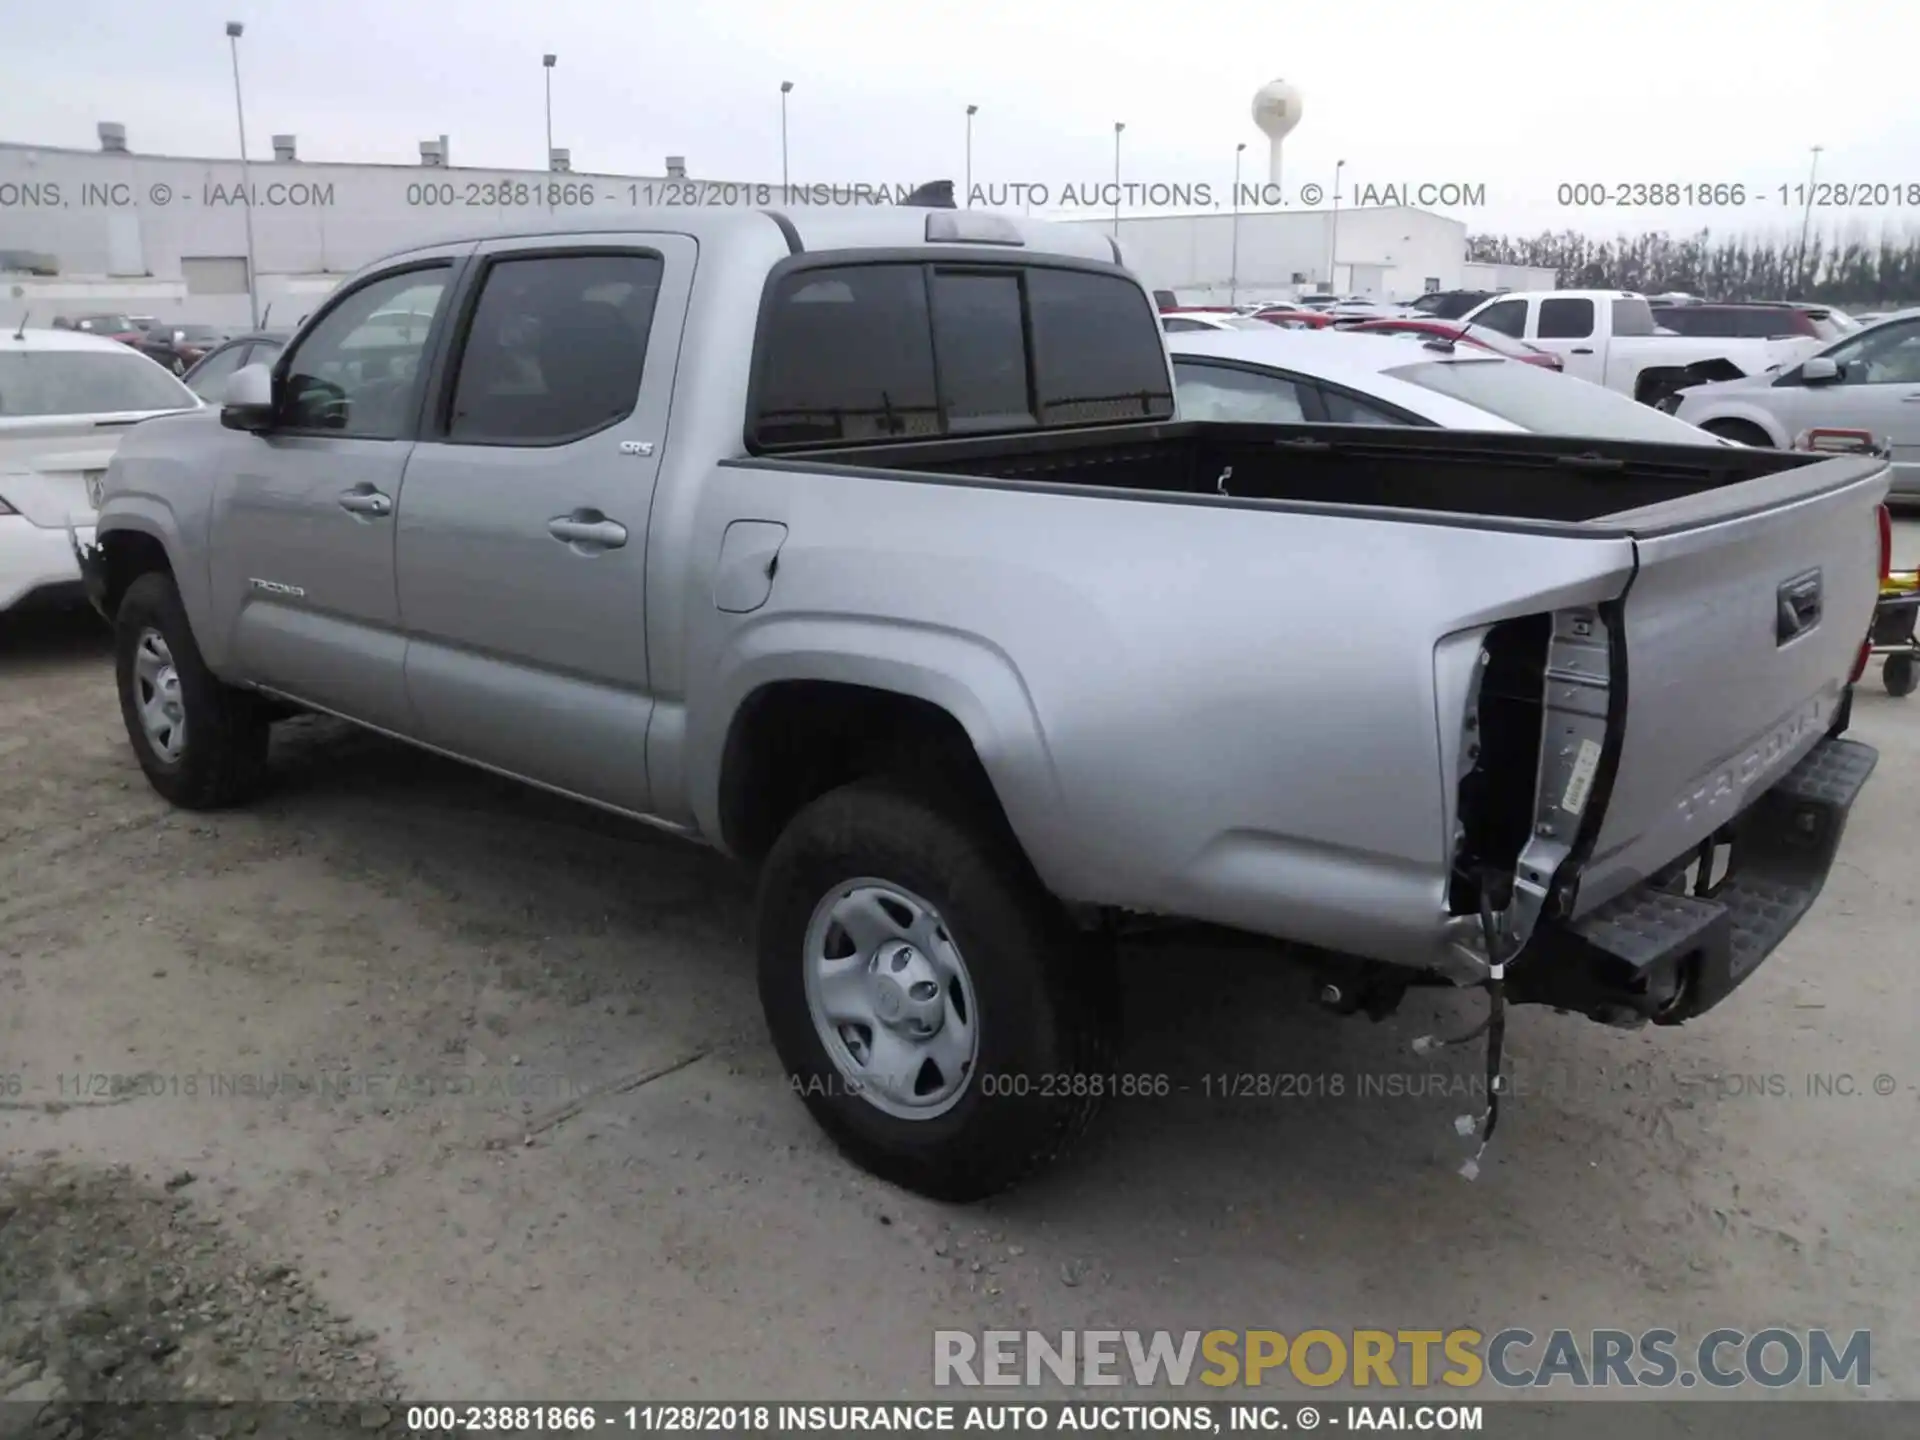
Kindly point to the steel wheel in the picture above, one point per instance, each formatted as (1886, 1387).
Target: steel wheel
(163, 716)
(891, 998)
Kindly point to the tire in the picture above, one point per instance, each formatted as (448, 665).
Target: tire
(1040, 995)
(1897, 674)
(1745, 432)
(220, 758)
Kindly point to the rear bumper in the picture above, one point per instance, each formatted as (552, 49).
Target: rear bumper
(1662, 953)
(35, 559)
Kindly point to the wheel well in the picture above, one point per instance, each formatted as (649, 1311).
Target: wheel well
(129, 555)
(1745, 431)
(793, 741)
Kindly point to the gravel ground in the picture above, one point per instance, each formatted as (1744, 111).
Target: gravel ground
(474, 1092)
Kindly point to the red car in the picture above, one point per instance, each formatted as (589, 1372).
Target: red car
(107, 327)
(1476, 335)
(1294, 319)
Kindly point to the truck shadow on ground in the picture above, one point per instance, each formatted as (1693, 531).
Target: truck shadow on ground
(1242, 1106)
(51, 638)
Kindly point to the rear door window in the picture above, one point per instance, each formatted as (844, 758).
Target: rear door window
(1566, 319)
(848, 356)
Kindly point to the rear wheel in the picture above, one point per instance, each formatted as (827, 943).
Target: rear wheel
(202, 743)
(943, 1022)
(1743, 431)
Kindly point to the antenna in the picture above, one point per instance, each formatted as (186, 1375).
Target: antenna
(21, 333)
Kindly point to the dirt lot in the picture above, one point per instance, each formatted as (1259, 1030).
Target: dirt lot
(384, 1123)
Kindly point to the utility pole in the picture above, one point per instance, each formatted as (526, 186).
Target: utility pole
(972, 110)
(786, 89)
(1118, 126)
(234, 31)
(1233, 269)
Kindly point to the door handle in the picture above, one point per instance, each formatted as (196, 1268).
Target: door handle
(1913, 399)
(366, 502)
(588, 527)
(1583, 349)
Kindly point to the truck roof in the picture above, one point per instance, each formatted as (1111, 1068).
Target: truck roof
(1571, 295)
(814, 227)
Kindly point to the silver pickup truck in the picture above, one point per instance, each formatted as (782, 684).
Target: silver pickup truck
(869, 549)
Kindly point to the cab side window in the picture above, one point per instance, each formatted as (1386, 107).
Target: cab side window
(357, 372)
(1566, 319)
(555, 350)
(1889, 355)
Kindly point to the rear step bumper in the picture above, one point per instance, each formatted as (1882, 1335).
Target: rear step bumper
(1663, 954)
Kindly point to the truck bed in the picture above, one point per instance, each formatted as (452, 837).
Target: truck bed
(1493, 477)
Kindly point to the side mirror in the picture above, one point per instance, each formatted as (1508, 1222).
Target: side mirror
(1819, 371)
(248, 404)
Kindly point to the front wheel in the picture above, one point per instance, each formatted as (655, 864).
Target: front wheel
(202, 743)
(942, 1021)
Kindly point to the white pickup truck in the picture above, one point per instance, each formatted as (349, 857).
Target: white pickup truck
(1611, 338)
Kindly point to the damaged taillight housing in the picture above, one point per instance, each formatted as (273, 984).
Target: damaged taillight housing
(1533, 750)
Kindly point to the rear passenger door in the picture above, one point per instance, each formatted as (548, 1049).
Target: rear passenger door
(522, 546)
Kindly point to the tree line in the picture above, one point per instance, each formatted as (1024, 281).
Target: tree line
(1866, 275)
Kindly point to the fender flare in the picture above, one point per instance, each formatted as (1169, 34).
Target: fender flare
(966, 675)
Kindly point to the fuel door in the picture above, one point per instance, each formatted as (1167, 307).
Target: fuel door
(749, 560)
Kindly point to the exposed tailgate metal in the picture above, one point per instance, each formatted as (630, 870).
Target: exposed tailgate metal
(1742, 625)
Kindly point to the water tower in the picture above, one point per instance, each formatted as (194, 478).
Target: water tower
(1276, 110)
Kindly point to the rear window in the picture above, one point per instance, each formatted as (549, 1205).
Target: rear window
(85, 382)
(1548, 403)
(897, 351)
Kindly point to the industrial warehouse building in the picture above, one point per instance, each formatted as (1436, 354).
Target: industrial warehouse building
(112, 229)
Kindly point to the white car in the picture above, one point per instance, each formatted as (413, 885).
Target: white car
(1192, 323)
(1869, 379)
(1314, 377)
(66, 399)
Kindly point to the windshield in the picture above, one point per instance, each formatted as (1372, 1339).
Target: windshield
(1548, 403)
(85, 382)
(106, 324)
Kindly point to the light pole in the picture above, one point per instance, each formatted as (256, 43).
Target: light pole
(786, 88)
(972, 110)
(1806, 217)
(1233, 267)
(1333, 237)
(547, 62)
(1118, 126)
(234, 31)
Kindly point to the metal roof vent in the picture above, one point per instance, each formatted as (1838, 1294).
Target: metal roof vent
(559, 160)
(283, 148)
(113, 137)
(433, 153)
(676, 167)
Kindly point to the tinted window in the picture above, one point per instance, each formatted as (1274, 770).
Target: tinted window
(979, 339)
(1631, 316)
(1540, 400)
(1096, 350)
(1216, 392)
(85, 382)
(1509, 317)
(209, 378)
(555, 349)
(357, 371)
(1174, 325)
(847, 355)
(1565, 319)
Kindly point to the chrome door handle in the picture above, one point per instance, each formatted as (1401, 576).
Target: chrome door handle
(580, 530)
(366, 502)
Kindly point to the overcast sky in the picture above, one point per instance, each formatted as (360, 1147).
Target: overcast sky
(1520, 97)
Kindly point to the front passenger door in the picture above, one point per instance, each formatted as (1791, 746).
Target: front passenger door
(302, 552)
